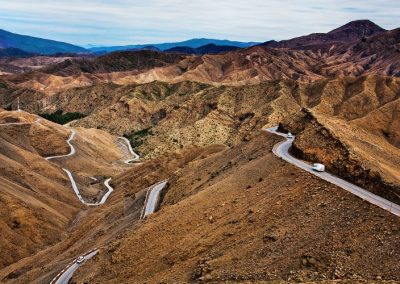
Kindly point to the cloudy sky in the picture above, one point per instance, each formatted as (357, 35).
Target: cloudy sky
(121, 22)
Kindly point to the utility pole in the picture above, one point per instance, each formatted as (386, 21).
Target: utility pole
(18, 105)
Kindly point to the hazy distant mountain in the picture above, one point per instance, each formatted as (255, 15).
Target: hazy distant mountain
(148, 47)
(14, 52)
(36, 45)
(192, 43)
(205, 49)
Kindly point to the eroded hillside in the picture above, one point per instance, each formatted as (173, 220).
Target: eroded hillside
(33, 189)
(348, 51)
(237, 217)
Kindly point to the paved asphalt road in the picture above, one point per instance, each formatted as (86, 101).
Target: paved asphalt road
(64, 276)
(135, 156)
(21, 123)
(72, 151)
(153, 198)
(77, 192)
(72, 180)
(282, 150)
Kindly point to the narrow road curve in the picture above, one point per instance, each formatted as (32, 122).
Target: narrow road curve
(21, 123)
(77, 192)
(72, 180)
(153, 197)
(72, 151)
(135, 156)
(66, 274)
(282, 150)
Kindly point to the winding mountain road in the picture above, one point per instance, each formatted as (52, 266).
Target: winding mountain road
(282, 150)
(66, 274)
(72, 180)
(136, 156)
(77, 192)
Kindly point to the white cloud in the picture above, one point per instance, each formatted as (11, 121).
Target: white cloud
(132, 21)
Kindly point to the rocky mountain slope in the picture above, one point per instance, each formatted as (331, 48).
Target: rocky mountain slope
(241, 219)
(350, 32)
(113, 62)
(160, 117)
(232, 211)
(33, 189)
(362, 49)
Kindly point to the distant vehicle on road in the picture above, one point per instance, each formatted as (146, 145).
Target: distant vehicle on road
(80, 260)
(318, 167)
(289, 135)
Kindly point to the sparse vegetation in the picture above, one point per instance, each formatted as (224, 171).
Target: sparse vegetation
(61, 118)
(137, 138)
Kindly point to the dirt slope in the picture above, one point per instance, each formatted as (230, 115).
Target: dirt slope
(33, 190)
(97, 226)
(235, 216)
(364, 107)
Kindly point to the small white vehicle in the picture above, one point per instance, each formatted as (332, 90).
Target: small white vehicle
(318, 167)
(289, 135)
(80, 260)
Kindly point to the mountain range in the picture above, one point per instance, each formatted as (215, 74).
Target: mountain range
(32, 45)
(191, 43)
(205, 49)
(14, 45)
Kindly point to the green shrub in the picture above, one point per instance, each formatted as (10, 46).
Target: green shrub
(137, 138)
(61, 118)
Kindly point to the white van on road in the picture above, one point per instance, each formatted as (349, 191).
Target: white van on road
(318, 167)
